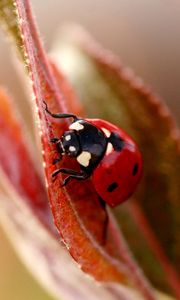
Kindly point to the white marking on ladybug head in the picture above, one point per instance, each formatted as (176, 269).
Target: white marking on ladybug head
(106, 131)
(67, 137)
(109, 148)
(84, 158)
(72, 149)
(76, 126)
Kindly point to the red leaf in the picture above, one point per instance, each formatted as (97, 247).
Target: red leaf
(18, 166)
(77, 212)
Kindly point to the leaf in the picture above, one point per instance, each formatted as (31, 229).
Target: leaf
(17, 165)
(83, 244)
(110, 91)
(82, 233)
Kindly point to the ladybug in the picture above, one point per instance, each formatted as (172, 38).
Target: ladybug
(104, 152)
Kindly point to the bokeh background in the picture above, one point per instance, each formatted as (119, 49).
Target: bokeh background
(146, 36)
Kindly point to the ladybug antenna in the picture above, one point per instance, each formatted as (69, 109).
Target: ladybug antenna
(59, 115)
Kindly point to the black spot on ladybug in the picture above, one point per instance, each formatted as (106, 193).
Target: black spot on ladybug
(112, 187)
(116, 141)
(135, 169)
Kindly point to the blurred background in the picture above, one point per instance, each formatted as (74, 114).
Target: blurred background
(145, 34)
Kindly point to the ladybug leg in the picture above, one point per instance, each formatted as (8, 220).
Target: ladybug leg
(59, 116)
(80, 176)
(64, 171)
(72, 173)
(54, 140)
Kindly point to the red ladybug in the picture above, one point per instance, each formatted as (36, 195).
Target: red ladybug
(104, 152)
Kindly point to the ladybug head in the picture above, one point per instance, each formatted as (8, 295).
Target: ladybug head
(118, 174)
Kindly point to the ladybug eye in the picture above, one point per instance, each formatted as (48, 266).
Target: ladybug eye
(135, 169)
(112, 187)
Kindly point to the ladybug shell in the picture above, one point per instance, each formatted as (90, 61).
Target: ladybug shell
(118, 173)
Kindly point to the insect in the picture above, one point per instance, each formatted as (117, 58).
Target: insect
(104, 152)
